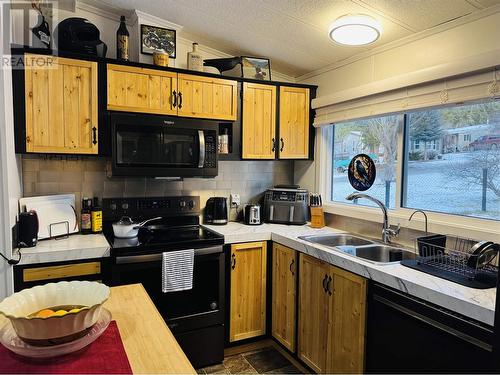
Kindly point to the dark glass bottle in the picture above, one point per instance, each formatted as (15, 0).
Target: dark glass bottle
(86, 216)
(122, 41)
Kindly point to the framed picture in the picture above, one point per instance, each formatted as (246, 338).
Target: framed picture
(256, 68)
(158, 39)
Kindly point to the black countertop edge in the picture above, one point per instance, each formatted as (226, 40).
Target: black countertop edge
(19, 49)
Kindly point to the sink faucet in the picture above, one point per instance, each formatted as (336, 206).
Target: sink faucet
(387, 231)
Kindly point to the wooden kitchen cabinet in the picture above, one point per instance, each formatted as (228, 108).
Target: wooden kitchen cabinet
(134, 89)
(332, 314)
(248, 291)
(284, 286)
(259, 121)
(29, 275)
(207, 97)
(294, 123)
(347, 320)
(61, 105)
(313, 313)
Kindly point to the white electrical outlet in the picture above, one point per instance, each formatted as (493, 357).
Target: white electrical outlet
(235, 200)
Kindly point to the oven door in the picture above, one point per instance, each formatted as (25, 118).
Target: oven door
(183, 311)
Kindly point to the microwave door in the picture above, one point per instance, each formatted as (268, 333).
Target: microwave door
(138, 146)
(181, 148)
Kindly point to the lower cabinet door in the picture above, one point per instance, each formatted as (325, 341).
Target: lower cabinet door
(284, 295)
(313, 312)
(248, 291)
(347, 321)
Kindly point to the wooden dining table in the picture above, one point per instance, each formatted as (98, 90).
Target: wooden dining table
(150, 345)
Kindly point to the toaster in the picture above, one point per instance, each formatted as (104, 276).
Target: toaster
(286, 205)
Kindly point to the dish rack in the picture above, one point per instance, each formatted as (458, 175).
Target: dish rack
(452, 258)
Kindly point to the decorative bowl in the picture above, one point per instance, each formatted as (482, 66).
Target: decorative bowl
(53, 330)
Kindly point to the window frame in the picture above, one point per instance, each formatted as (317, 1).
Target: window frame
(453, 224)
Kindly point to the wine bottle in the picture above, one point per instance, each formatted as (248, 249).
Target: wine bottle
(122, 41)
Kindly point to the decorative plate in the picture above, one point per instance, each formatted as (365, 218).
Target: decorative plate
(362, 172)
(11, 341)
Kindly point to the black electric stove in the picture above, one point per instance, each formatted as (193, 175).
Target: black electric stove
(178, 229)
(196, 316)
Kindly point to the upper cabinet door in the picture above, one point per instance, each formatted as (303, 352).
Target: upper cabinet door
(61, 105)
(259, 121)
(294, 123)
(133, 89)
(206, 97)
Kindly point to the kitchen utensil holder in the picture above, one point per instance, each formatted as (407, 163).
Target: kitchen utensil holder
(452, 255)
(317, 217)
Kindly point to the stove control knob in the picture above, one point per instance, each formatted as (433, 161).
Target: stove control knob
(182, 204)
(213, 305)
(125, 206)
(191, 204)
(112, 206)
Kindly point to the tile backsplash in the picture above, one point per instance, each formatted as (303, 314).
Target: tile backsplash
(86, 177)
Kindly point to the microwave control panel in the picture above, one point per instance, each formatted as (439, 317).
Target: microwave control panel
(210, 150)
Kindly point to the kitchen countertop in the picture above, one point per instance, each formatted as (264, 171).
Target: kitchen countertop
(76, 246)
(150, 345)
(474, 303)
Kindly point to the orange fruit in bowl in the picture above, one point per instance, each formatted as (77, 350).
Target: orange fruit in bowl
(45, 313)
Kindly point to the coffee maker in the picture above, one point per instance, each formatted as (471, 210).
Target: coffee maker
(216, 211)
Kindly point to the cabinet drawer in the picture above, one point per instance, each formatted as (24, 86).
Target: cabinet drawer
(60, 272)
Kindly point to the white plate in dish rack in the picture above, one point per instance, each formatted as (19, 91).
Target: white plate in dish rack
(53, 212)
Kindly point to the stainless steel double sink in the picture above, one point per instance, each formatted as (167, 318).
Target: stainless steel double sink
(370, 251)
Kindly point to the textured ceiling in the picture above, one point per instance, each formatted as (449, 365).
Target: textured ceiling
(293, 33)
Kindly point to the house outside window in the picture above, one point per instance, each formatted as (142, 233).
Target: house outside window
(451, 164)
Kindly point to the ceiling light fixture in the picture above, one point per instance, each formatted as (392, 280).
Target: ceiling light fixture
(355, 30)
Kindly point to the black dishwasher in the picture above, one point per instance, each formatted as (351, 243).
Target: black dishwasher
(408, 335)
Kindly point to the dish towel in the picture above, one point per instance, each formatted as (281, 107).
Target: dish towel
(177, 270)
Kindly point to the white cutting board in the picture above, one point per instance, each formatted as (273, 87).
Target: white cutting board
(53, 209)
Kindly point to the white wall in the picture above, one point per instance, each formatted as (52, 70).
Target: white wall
(10, 171)
(464, 40)
(477, 38)
(107, 20)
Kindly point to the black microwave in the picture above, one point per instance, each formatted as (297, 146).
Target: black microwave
(160, 146)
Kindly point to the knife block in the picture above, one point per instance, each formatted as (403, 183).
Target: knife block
(317, 217)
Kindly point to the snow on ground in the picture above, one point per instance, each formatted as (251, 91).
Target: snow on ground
(430, 188)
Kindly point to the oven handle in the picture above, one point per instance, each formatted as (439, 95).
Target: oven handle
(157, 257)
(201, 161)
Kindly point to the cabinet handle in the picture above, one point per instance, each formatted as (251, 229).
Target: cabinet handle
(282, 144)
(329, 285)
(28, 139)
(233, 257)
(174, 101)
(325, 281)
(291, 265)
(273, 141)
(94, 135)
(180, 100)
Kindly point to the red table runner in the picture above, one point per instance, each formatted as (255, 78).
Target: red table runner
(106, 355)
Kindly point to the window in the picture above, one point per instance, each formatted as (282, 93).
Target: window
(450, 164)
(459, 170)
(375, 137)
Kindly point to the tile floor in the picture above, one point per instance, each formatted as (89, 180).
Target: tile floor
(267, 360)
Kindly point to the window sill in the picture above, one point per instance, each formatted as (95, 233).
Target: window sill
(478, 229)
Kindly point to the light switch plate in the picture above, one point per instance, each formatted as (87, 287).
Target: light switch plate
(235, 200)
